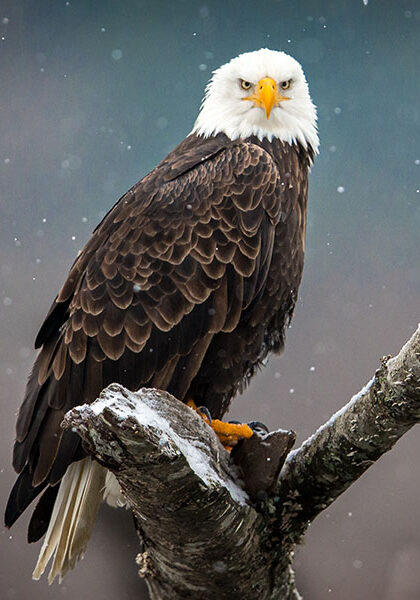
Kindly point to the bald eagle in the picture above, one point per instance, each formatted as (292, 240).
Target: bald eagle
(186, 285)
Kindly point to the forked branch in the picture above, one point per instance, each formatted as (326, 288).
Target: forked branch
(202, 535)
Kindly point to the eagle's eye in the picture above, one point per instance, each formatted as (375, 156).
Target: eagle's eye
(245, 85)
(285, 84)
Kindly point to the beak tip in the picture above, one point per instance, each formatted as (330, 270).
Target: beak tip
(268, 113)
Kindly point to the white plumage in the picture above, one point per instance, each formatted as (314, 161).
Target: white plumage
(224, 111)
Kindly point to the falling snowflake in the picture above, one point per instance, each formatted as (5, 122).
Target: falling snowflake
(117, 54)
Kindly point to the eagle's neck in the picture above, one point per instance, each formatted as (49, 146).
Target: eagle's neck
(294, 126)
(281, 151)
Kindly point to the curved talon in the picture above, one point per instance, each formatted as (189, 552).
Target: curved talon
(203, 410)
(258, 426)
(229, 433)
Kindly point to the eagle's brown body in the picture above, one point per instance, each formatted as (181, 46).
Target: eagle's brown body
(186, 285)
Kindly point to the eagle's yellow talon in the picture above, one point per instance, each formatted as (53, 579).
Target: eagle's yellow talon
(228, 433)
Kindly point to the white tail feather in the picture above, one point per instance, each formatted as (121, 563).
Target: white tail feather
(72, 519)
(112, 492)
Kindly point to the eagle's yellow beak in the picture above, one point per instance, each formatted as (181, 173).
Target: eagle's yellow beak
(266, 95)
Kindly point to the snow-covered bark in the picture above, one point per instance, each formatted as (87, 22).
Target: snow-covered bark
(201, 534)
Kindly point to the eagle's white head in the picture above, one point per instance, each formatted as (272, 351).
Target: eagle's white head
(262, 93)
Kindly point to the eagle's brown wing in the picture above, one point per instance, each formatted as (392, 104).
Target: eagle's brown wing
(177, 260)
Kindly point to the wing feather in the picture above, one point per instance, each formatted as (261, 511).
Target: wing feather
(174, 263)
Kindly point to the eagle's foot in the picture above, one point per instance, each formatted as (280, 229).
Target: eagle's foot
(229, 433)
(258, 427)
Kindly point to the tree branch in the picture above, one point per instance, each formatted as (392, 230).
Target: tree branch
(351, 441)
(202, 535)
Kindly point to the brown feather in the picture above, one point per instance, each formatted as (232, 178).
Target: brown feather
(46, 357)
(112, 346)
(109, 269)
(235, 302)
(33, 397)
(250, 246)
(94, 377)
(96, 351)
(89, 304)
(114, 317)
(215, 269)
(139, 333)
(51, 435)
(77, 320)
(225, 253)
(59, 362)
(218, 309)
(157, 318)
(91, 324)
(134, 346)
(162, 378)
(243, 265)
(191, 366)
(77, 346)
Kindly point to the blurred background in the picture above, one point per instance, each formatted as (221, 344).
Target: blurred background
(92, 96)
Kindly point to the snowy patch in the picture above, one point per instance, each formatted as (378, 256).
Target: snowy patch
(124, 407)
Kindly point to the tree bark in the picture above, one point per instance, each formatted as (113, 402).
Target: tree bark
(203, 536)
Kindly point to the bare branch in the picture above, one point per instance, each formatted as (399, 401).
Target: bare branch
(352, 440)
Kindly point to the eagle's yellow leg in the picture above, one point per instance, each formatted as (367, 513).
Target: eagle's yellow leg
(228, 433)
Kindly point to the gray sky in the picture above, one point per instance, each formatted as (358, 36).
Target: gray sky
(92, 96)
